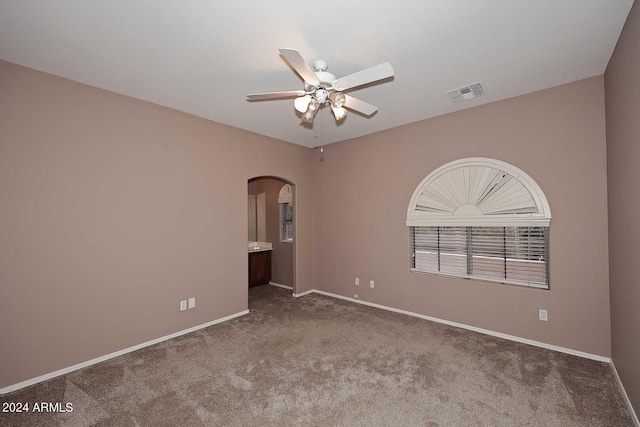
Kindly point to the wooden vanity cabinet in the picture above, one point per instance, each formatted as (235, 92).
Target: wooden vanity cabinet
(259, 268)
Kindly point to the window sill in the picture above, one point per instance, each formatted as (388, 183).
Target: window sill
(483, 279)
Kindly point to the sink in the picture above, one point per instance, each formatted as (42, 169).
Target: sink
(259, 246)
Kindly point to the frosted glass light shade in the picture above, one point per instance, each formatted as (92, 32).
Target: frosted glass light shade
(337, 99)
(302, 103)
(338, 112)
(309, 115)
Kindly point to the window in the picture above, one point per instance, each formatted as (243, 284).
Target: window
(507, 254)
(285, 200)
(286, 222)
(481, 219)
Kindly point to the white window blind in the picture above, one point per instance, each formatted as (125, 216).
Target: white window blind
(515, 255)
(286, 222)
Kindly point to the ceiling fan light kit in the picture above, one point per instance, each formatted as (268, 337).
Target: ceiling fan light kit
(302, 103)
(322, 88)
(338, 112)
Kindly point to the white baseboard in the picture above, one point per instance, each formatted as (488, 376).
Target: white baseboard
(624, 394)
(63, 371)
(281, 286)
(304, 293)
(468, 327)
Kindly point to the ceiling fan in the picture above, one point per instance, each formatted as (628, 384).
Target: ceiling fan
(322, 88)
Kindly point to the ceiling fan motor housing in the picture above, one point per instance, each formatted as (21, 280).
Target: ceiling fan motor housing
(320, 68)
(326, 83)
(326, 79)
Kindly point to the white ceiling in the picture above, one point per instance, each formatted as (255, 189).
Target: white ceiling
(202, 57)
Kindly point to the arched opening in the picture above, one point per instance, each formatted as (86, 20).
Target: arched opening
(271, 232)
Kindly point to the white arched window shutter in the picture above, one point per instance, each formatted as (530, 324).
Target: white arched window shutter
(481, 218)
(478, 191)
(286, 194)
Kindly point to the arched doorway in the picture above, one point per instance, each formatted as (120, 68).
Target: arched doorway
(271, 232)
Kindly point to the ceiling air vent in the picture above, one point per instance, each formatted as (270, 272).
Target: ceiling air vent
(466, 92)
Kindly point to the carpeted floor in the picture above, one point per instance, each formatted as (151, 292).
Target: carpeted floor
(319, 361)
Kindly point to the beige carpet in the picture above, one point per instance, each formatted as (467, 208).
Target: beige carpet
(319, 361)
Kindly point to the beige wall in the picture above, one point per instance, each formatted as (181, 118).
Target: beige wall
(282, 254)
(623, 152)
(557, 136)
(112, 210)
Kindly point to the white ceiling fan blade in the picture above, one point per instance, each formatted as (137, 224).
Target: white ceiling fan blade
(365, 76)
(298, 63)
(360, 106)
(272, 95)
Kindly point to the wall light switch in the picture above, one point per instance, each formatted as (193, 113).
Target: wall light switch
(543, 315)
(192, 302)
(371, 284)
(357, 281)
(355, 296)
(183, 305)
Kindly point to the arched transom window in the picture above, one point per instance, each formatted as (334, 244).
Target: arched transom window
(481, 218)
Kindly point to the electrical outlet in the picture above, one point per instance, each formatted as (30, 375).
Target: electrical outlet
(357, 281)
(183, 305)
(543, 315)
(192, 302)
(356, 296)
(371, 284)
